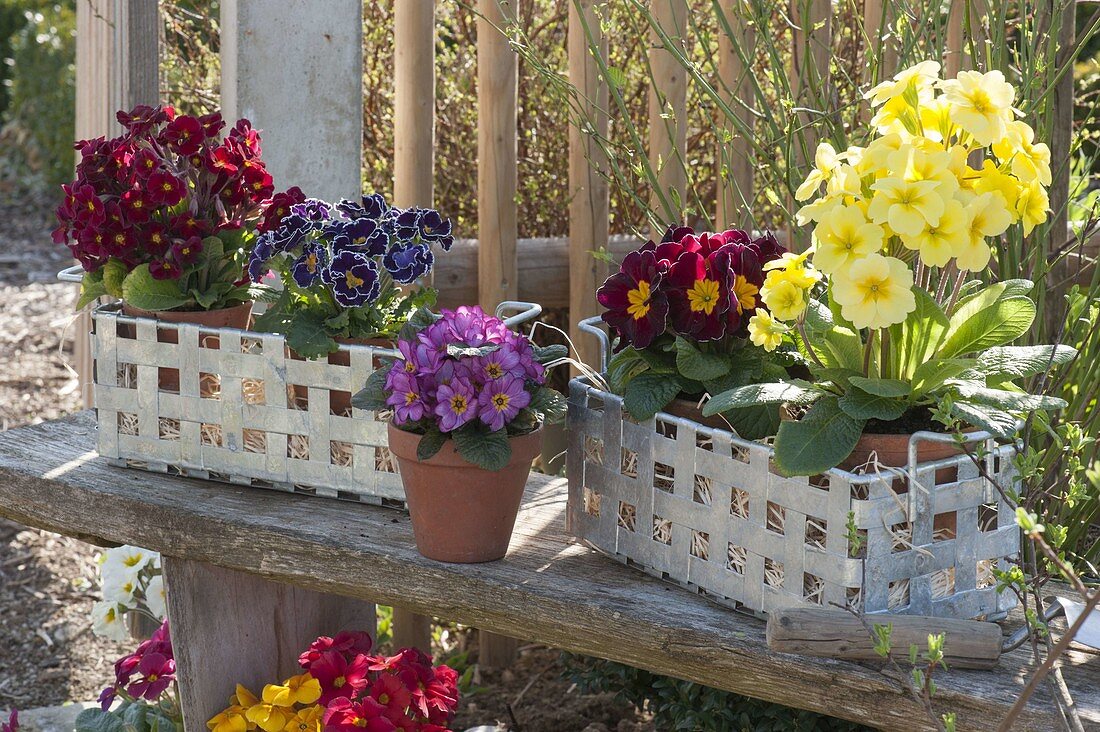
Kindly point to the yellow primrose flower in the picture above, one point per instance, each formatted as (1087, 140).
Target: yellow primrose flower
(844, 236)
(895, 116)
(310, 719)
(981, 104)
(875, 292)
(844, 182)
(991, 180)
(938, 244)
(919, 77)
(766, 331)
(269, 717)
(935, 119)
(783, 297)
(906, 205)
(825, 160)
(300, 689)
(1032, 206)
(1030, 160)
(875, 155)
(230, 720)
(987, 216)
(792, 268)
(929, 162)
(817, 210)
(243, 698)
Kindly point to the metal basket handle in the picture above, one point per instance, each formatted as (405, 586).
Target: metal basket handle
(72, 274)
(594, 326)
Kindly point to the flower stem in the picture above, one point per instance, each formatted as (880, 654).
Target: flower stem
(867, 349)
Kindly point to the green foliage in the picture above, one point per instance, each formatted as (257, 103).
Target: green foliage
(39, 89)
(935, 360)
(683, 706)
(130, 716)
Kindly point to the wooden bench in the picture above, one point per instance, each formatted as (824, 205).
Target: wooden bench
(252, 574)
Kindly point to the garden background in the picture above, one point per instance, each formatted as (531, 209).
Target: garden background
(37, 47)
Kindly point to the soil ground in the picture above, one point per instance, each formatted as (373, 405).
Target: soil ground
(48, 655)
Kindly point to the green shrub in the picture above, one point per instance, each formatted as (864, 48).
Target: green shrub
(682, 705)
(40, 119)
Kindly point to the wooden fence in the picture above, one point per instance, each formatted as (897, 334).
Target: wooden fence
(118, 57)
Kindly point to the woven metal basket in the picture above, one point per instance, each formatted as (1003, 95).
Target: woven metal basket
(707, 510)
(246, 412)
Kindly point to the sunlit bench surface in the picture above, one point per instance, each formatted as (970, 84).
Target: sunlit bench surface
(252, 574)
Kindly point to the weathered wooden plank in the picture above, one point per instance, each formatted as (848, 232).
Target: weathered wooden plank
(230, 627)
(833, 633)
(497, 89)
(589, 200)
(545, 590)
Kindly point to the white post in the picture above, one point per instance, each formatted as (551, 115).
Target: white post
(295, 69)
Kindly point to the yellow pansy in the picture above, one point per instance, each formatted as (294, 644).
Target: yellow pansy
(918, 78)
(1032, 206)
(844, 236)
(875, 292)
(825, 160)
(907, 206)
(269, 717)
(300, 689)
(987, 216)
(938, 244)
(310, 719)
(230, 720)
(1030, 160)
(766, 331)
(783, 297)
(981, 104)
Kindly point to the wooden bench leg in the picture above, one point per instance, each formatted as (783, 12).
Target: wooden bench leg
(229, 627)
(411, 630)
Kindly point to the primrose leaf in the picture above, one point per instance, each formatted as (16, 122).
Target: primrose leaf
(781, 392)
(881, 387)
(819, 441)
(861, 404)
(430, 444)
(142, 290)
(699, 366)
(649, 393)
(481, 447)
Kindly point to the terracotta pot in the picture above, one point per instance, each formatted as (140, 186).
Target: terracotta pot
(893, 451)
(689, 409)
(339, 402)
(460, 512)
(237, 317)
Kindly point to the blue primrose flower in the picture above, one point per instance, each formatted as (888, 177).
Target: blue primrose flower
(261, 252)
(432, 226)
(291, 232)
(407, 224)
(313, 209)
(308, 267)
(408, 262)
(375, 206)
(363, 235)
(353, 277)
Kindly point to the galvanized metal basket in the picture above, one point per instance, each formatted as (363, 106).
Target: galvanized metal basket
(707, 510)
(246, 412)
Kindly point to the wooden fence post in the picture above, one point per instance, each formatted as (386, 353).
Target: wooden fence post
(497, 74)
(735, 169)
(809, 82)
(668, 114)
(116, 68)
(589, 200)
(413, 168)
(497, 89)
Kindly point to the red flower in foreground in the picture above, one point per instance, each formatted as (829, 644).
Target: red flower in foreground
(365, 715)
(636, 307)
(338, 676)
(698, 297)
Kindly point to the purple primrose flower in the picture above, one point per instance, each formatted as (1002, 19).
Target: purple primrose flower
(501, 400)
(457, 404)
(408, 262)
(308, 267)
(353, 277)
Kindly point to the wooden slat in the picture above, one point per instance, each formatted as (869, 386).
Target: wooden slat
(589, 194)
(413, 102)
(809, 81)
(880, 32)
(497, 73)
(414, 168)
(116, 67)
(735, 169)
(957, 54)
(668, 112)
(546, 589)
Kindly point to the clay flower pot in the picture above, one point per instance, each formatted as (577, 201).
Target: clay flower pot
(238, 316)
(462, 513)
